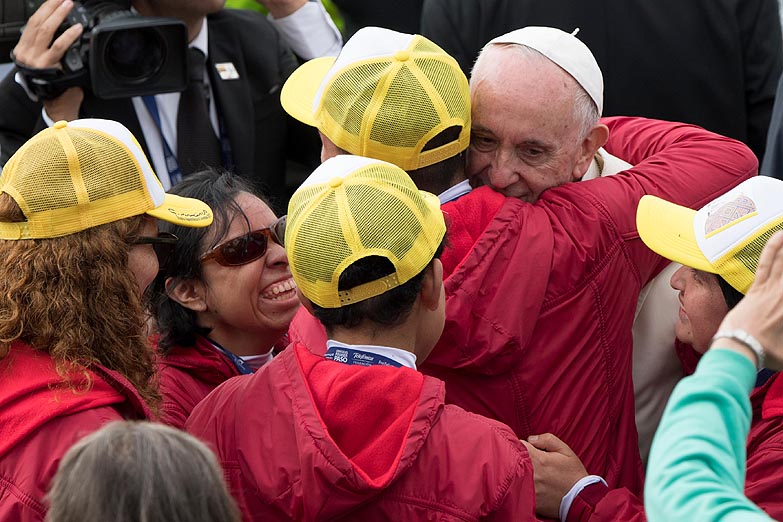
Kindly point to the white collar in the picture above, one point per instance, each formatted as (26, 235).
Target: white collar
(402, 357)
(201, 41)
(452, 193)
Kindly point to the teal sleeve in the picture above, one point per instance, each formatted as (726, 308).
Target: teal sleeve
(696, 468)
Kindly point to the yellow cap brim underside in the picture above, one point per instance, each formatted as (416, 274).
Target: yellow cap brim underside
(667, 229)
(299, 91)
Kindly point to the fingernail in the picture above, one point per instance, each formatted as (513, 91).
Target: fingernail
(532, 438)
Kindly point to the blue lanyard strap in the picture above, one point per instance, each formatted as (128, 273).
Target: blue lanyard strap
(240, 364)
(172, 165)
(358, 357)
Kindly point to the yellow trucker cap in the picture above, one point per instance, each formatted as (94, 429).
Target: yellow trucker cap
(78, 175)
(725, 237)
(385, 96)
(350, 208)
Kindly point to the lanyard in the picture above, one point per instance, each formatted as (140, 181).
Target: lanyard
(358, 357)
(241, 366)
(172, 165)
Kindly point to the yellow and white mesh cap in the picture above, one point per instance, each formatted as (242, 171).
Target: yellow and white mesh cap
(385, 96)
(78, 175)
(353, 207)
(725, 237)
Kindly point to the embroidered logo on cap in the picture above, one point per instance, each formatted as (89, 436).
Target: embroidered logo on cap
(729, 213)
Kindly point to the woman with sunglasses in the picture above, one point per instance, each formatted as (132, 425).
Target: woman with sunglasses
(224, 301)
(79, 210)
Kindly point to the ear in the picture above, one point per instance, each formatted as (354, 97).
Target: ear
(432, 285)
(594, 140)
(190, 293)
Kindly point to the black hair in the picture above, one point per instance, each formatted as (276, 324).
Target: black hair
(440, 176)
(217, 188)
(731, 295)
(389, 309)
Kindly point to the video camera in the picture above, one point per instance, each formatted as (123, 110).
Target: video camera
(119, 54)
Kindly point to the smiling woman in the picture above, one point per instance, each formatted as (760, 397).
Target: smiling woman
(225, 299)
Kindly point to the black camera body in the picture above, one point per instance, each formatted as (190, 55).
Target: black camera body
(119, 54)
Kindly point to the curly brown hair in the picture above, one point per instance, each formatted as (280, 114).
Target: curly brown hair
(75, 298)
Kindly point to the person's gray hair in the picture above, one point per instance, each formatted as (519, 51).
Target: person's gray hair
(140, 472)
(585, 109)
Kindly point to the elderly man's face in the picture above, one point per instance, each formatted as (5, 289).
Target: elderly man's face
(525, 137)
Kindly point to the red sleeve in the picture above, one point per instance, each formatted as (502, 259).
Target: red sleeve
(681, 163)
(519, 502)
(763, 478)
(597, 503)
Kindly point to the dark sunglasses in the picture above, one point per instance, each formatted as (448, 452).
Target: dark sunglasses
(249, 247)
(162, 244)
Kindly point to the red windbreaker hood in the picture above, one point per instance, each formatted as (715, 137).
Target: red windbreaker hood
(32, 393)
(364, 428)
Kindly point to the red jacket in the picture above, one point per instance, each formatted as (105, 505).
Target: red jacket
(40, 418)
(540, 308)
(187, 375)
(309, 439)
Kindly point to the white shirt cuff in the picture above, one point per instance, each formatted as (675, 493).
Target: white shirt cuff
(49, 122)
(19, 79)
(568, 499)
(310, 31)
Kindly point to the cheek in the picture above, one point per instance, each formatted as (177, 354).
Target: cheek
(477, 161)
(143, 263)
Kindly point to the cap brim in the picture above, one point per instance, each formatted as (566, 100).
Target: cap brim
(667, 229)
(187, 212)
(298, 93)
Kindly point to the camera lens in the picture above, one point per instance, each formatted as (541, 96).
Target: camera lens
(134, 55)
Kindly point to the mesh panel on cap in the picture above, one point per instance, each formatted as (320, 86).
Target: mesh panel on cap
(447, 83)
(318, 228)
(397, 236)
(389, 107)
(395, 125)
(426, 46)
(44, 182)
(377, 210)
(350, 94)
(739, 267)
(108, 169)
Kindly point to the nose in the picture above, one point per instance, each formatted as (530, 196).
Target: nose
(275, 255)
(678, 279)
(503, 173)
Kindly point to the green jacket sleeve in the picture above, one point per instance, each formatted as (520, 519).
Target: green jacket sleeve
(697, 462)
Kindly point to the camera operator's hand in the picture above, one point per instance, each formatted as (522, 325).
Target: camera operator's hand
(760, 312)
(36, 49)
(282, 8)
